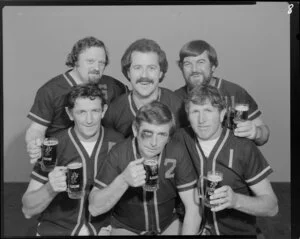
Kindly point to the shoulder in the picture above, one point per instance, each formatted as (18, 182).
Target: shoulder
(228, 85)
(121, 101)
(175, 147)
(105, 79)
(243, 144)
(54, 84)
(112, 135)
(169, 95)
(186, 132)
(181, 92)
(122, 147)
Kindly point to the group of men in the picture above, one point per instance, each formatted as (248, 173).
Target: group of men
(111, 131)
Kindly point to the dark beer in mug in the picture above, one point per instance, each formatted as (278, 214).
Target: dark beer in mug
(151, 168)
(241, 113)
(213, 181)
(49, 154)
(75, 180)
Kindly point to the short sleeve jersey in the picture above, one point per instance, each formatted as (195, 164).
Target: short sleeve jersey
(242, 165)
(231, 92)
(48, 108)
(141, 211)
(122, 112)
(65, 216)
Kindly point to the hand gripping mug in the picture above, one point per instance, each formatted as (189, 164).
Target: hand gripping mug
(75, 180)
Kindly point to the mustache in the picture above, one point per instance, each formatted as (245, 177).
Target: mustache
(144, 79)
(94, 72)
(195, 73)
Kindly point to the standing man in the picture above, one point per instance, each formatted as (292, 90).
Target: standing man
(245, 191)
(198, 61)
(88, 60)
(144, 64)
(86, 142)
(118, 183)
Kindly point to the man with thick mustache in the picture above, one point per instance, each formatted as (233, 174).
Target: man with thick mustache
(198, 61)
(88, 60)
(144, 64)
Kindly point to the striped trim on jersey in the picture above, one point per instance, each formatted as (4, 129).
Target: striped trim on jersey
(133, 107)
(224, 138)
(144, 195)
(84, 160)
(79, 224)
(38, 177)
(213, 169)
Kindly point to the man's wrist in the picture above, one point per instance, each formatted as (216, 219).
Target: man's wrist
(123, 181)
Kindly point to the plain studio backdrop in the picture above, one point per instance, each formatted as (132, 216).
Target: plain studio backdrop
(252, 43)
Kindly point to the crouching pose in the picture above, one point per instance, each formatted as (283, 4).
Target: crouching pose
(86, 143)
(121, 182)
(245, 191)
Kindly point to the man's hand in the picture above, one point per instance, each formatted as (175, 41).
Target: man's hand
(135, 174)
(57, 179)
(223, 197)
(34, 150)
(246, 129)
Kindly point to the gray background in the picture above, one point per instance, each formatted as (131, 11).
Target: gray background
(252, 43)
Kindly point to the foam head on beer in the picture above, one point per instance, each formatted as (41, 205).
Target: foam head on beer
(214, 177)
(242, 107)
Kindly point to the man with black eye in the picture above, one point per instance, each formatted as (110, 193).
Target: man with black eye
(144, 64)
(119, 182)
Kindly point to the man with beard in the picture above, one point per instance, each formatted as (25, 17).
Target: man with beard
(118, 183)
(88, 59)
(198, 61)
(144, 64)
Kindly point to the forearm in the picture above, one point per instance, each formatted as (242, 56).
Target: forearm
(191, 222)
(263, 205)
(37, 201)
(103, 200)
(262, 134)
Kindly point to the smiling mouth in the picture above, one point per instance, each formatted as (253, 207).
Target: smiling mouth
(203, 127)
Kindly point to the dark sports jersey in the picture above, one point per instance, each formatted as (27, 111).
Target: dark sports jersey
(49, 104)
(65, 216)
(122, 111)
(140, 211)
(231, 92)
(242, 165)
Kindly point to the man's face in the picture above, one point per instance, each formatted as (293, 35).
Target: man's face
(91, 64)
(144, 73)
(205, 120)
(197, 69)
(87, 115)
(152, 138)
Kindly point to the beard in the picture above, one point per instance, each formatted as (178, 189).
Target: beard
(94, 77)
(191, 83)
